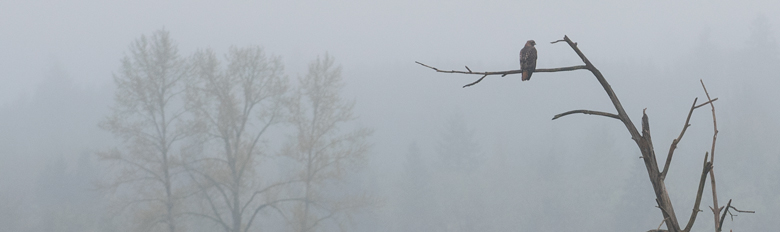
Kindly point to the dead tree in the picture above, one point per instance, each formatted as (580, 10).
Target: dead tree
(643, 141)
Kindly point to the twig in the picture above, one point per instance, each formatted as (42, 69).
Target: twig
(591, 112)
(473, 83)
(743, 211)
(662, 223)
(562, 40)
(723, 218)
(706, 103)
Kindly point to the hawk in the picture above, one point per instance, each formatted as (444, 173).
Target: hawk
(528, 59)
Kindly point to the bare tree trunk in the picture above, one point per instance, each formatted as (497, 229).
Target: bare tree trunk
(322, 153)
(235, 105)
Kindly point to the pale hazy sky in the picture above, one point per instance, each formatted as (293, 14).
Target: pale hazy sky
(87, 38)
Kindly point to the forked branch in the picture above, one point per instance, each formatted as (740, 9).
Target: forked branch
(727, 211)
(677, 140)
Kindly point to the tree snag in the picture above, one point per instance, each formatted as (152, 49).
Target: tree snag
(643, 140)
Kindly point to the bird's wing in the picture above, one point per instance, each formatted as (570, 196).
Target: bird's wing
(531, 58)
(528, 57)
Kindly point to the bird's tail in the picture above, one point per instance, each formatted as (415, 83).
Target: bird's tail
(526, 75)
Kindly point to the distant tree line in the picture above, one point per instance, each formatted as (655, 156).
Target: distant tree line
(198, 136)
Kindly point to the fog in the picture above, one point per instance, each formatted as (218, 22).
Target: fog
(440, 157)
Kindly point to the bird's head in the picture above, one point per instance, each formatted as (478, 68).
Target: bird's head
(530, 42)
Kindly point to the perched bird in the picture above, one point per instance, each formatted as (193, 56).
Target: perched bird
(528, 59)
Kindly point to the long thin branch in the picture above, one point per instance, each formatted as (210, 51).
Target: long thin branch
(715, 209)
(707, 167)
(516, 71)
(591, 112)
(268, 204)
(502, 73)
(677, 140)
(267, 188)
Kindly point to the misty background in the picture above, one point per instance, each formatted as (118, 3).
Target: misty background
(442, 158)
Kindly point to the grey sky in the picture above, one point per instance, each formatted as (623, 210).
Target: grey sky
(88, 37)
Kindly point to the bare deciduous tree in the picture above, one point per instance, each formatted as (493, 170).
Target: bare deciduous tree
(148, 117)
(234, 105)
(324, 155)
(642, 139)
